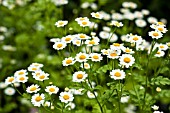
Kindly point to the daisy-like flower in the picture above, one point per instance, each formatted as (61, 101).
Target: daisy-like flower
(79, 76)
(113, 37)
(140, 23)
(159, 53)
(33, 88)
(82, 57)
(117, 74)
(76, 91)
(91, 42)
(161, 28)
(37, 73)
(152, 20)
(21, 72)
(38, 65)
(91, 95)
(158, 112)
(161, 46)
(38, 99)
(124, 99)
(127, 50)
(66, 97)
(67, 39)
(59, 45)
(155, 34)
(9, 80)
(80, 19)
(43, 76)
(97, 15)
(61, 23)
(3, 85)
(33, 68)
(68, 61)
(96, 57)
(82, 36)
(154, 107)
(70, 106)
(114, 54)
(105, 51)
(104, 34)
(116, 46)
(9, 91)
(52, 89)
(22, 78)
(126, 60)
(55, 40)
(117, 16)
(86, 65)
(77, 42)
(116, 23)
(135, 39)
(84, 23)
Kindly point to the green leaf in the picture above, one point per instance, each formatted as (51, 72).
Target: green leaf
(160, 80)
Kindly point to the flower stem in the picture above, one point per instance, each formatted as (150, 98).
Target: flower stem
(16, 89)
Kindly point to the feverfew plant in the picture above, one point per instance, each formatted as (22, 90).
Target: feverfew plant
(109, 75)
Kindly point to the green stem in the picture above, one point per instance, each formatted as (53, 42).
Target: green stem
(110, 36)
(16, 89)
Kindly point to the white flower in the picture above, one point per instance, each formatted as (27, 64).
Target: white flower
(84, 23)
(158, 112)
(117, 16)
(33, 88)
(116, 46)
(20, 73)
(159, 53)
(67, 39)
(59, 45)
(3, 85)
(60, 2)
(96, 57)
(161, 29)
(104, 34)
(124, 99)
(97, 15)
(47, 103)
(91, 95)
(82, 57)
(85, 5)
(33, 68)
(76, 91)
(105, 51)
(145, 12)
(38, 99)
(126, 60)
(70, 106)
(42, 76)
(155, 34)
(86, 65)
(9, 91)
(76, 42)
(152, 20)
(113, 37)
(79, 76)
(140, 22)
(55, 40)
(117, 74)
(116, 23)
(127, 50)
(22, 78)
(80, 19)
(154, 107)
(9, 80)
(66, 97)
(61, 23)
(135, 39)
(68, 61)
(82, 36)
(38, 65)
(52, 89)
(114, 54)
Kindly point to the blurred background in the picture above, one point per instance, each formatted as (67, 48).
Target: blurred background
(26, 27)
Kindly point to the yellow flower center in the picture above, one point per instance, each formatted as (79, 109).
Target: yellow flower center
(79, 76)
(116, 44)
(127, 60)
(81, 19)
(51, 89)
(84, 23)
(66, 97)
(82, 57)
(127, 50)
(33, 88)
(34, 68)
(11, 79)
(158, 52)
(160, 29)
(77, 42)
(160, 23)
(68, 61)
(113, 54)
(38, 98)
(117, 74)
(97, 15)
(37, 74)
(91, 42)
(21, 78)
(42, 77)
(21, 73)
(59, 45)
(82, 36)
(61, 23)
(161, 46)
(135, 38)
(155, 34)
(96, 57)
(67, 39)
